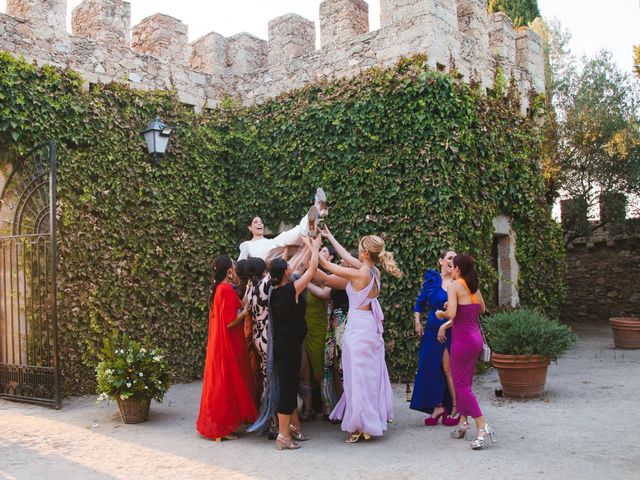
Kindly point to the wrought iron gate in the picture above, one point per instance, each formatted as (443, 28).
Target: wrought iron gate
(29, 369)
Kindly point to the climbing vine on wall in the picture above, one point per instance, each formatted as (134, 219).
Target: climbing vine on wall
(407, 153)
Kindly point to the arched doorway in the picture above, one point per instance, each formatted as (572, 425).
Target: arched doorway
(28, 330)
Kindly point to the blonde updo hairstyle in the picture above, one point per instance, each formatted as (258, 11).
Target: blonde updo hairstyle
(374, 246)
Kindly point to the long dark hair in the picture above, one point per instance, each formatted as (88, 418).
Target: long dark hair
(242, 270)
(277, 268)
(467, 270)
(255, 269)
(221, 264)
(250, 235)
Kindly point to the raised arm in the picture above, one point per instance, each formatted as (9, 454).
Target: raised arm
(304, 280)
(323, 293)
(300, 258)
(340, 250)
(344, 272)
(333, 281)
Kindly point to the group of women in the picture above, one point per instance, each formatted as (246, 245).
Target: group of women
(315, 329)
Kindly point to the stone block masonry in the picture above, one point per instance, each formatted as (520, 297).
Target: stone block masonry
(602, 280)
(156, 54)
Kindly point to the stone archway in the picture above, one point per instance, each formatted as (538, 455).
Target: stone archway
(505, 263)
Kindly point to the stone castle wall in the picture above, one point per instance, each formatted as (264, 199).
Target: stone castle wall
(602, 280)
(156, 53)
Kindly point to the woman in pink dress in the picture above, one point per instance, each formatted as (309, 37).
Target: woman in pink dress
(366, 404)
(465, 304)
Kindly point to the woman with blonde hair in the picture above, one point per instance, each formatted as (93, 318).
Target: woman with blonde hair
(366, 404)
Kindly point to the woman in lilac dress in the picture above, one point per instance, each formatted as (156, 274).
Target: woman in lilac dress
(465, 304)
(366, 404)
(433, 390)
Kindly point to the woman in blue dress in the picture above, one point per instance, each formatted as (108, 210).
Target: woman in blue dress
(433, 390)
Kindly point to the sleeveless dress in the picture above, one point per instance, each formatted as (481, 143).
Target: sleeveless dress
(290, 328)
(227, 389)
(317, 332)
(466, 346)
(367, 402)
(430, 388)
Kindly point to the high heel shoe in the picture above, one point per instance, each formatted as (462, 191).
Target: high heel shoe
(431, 421)
(479, 442)
(451, 421)
(286, 443)
(461, 430)
(297, 434)
(355, 437)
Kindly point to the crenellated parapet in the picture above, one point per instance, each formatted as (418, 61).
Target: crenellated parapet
(529, 57)
(290, 36)
(341, 20)
(45, 18)
(163, 37)
(502, 41)
(106, 21)
(457, 35)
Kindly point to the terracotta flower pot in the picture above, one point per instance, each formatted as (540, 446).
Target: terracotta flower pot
(626, 331)
(134, 410)
(521, 376)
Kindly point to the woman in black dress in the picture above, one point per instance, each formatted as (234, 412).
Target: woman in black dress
(288, 308)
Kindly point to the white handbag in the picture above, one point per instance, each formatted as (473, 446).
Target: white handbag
(485, 355)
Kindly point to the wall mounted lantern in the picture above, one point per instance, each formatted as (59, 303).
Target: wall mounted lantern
(157, 136)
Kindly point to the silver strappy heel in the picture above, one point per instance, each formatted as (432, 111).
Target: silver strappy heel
(461, 430)
(479, 442)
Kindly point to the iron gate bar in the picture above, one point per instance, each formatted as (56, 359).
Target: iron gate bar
(30, 365)
(53, 165)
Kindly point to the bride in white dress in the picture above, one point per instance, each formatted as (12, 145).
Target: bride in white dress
(260, 247)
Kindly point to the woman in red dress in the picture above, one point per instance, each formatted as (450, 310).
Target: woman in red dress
(228, 389)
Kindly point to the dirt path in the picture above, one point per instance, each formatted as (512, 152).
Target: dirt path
(585, 427)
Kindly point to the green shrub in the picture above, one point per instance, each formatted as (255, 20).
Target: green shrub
(129, 369)
(528, 332)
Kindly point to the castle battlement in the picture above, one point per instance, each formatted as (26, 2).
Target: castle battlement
(156, 53)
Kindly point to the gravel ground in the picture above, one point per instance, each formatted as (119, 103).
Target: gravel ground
(585, 426)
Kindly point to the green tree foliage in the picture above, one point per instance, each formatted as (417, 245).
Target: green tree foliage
(636, 60)
(406, 152)
(599, 133)
(557, 62)
(521, 11)
(591, 132)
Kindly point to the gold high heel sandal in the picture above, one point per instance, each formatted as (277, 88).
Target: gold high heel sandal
(297, 434)
(479, 442)
(286, 443)
(355, 437)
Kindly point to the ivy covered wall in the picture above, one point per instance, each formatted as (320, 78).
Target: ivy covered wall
(407, 153)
